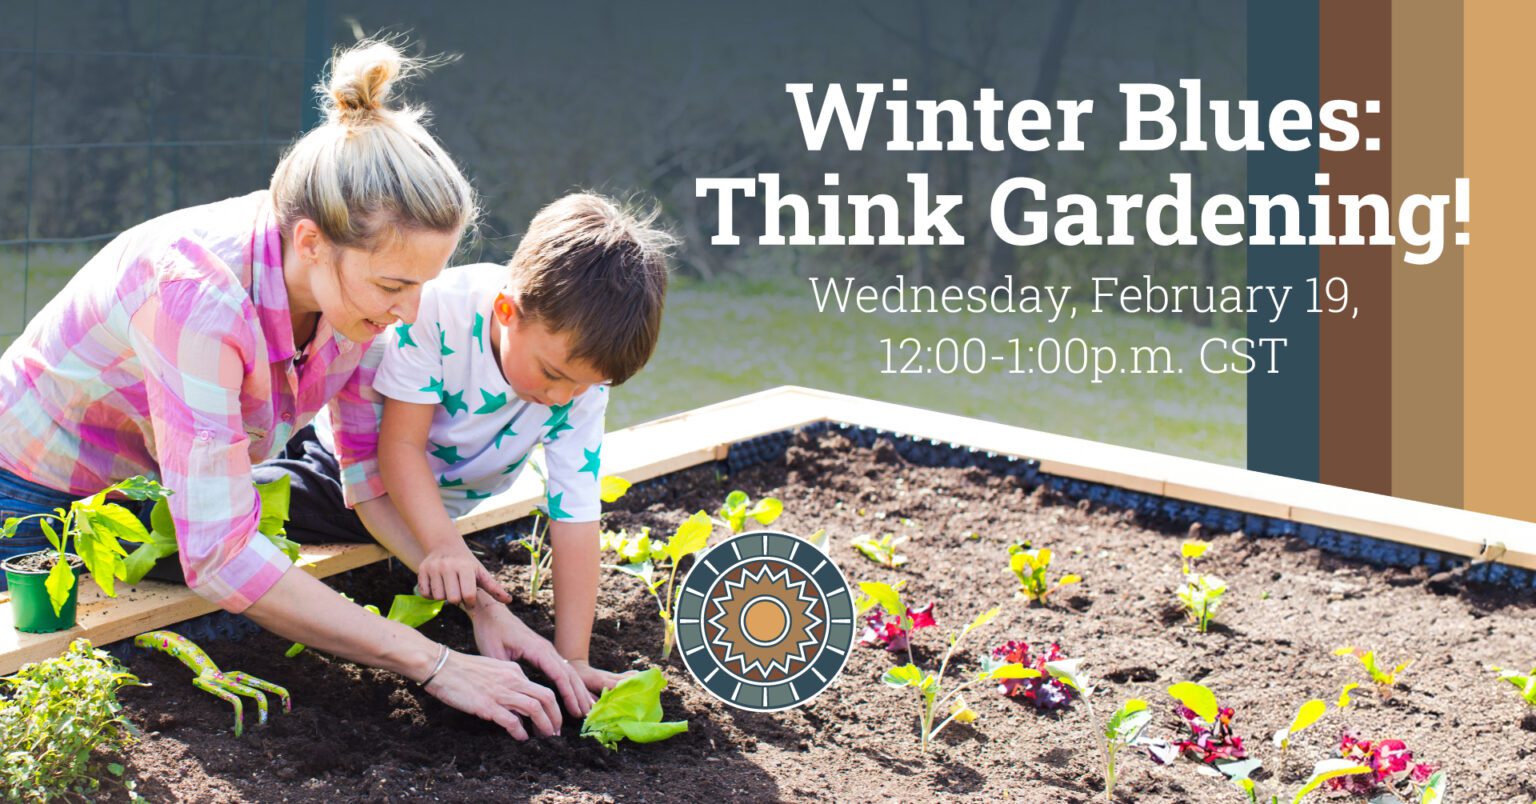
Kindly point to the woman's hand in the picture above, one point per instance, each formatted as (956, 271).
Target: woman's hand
(500, 634)
(497, 691)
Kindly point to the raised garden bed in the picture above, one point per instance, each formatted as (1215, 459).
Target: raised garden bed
(358, 734)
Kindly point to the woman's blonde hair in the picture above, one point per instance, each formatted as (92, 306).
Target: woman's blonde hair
(370, 170)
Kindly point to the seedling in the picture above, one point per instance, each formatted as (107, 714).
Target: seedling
(1327, 770)
(1123, 730)
(1383, 678)
(932, 699)
(1030, 565)
(893, 634)
(656, 564)
(57, 718)
(1200, 594)
(631, 710)
(411, 610)
(882, 551)
(540, 555)
(93, 527)
(1211, 740)
(1390, 764)
(1525, 683)
(738, 507)
(1045, 692)
(1307, 715)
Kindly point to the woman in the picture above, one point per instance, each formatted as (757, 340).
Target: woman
(195, 344)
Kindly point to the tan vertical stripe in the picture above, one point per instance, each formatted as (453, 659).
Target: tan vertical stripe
(1427, 300)
(1499, 281)
(1354, 358)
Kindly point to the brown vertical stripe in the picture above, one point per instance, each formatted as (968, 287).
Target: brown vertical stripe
(1355, 354)
(1499, 281)
(1427, 416)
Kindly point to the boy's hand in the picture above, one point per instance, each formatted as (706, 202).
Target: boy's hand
(453, 574)
(598, 680)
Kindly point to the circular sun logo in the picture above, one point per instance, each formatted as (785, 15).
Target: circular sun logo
(765, 621)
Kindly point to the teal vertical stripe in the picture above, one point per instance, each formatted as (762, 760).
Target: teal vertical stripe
(1283, 58)
(317, 51)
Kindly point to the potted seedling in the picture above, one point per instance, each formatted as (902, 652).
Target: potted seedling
(1030, 565)
(85, 538)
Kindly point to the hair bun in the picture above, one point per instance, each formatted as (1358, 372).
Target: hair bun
(361, 79)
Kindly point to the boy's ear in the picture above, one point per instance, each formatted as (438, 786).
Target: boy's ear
(505, 309)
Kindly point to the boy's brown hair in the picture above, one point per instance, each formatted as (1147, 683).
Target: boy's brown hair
(592, 267)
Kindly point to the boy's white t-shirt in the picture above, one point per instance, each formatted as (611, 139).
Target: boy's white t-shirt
(481, 432)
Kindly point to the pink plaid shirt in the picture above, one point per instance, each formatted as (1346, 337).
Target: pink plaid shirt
(171, 354)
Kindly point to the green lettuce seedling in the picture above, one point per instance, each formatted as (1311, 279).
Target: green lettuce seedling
(95, 529)
(631, 710)
(1383, 678)
(656, 563)
(1200, 594)
(882, 551)
(411, 610)
(738, 506)
(932, 699)
(1526, 682)
(1030, 566)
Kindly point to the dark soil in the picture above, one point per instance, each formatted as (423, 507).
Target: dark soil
(40, 563)
(357, 734)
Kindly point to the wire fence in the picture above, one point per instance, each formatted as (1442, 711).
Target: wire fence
(115, 111)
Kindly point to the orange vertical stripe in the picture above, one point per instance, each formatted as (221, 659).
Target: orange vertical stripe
(1500, 283)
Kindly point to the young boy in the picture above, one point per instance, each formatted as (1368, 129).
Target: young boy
(499, 359)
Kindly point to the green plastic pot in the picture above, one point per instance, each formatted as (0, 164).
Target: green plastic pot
(30, 606)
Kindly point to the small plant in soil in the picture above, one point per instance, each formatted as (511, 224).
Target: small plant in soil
(1200, 594)
(882, 551)
(1392, 770)
(1123, 731)
(611, 488)
(58, 720)
(92, 527)
(1031, 565)
(1209, 739)
(631, 710)
(933, 699)
(1045, 692)
(1383, 678)
(655, 563)
(738, 507)
(1308, 714)
(1325, 771)
(1525, 682)
(890, 626)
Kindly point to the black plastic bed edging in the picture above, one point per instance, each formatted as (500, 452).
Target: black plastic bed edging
(1169, 511)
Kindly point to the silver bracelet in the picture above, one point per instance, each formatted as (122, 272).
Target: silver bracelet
(442, 659)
